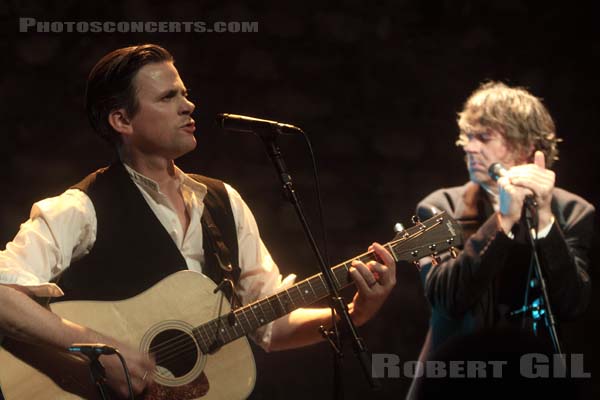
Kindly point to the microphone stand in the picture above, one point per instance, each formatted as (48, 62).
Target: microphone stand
(531, 221)
(98, 375)
(337, 302)
(495, 171)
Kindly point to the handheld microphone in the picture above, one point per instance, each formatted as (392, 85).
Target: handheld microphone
(260, 127)
(497, 171)
(91, 349)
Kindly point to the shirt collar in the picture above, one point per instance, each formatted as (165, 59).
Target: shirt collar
(152, 186)
(493, 197)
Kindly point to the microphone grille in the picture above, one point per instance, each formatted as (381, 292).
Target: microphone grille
(496, 170)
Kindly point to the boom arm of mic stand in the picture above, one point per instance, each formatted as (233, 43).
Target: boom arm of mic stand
(337, 301)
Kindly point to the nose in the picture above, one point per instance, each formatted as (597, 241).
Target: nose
(187, 107)
(472, 146)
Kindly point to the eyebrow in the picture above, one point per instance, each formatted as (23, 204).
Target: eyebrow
(478, 133)
(173, 92)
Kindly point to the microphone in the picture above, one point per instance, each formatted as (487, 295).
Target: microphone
(260, 127)
(497, 171)
(91, 349)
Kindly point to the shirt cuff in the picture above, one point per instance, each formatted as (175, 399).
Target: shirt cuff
(43, 290)
(542, 233)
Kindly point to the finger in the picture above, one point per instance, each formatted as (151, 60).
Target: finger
(138, 388)
(539, 159)
(385, 276)
(540, 181)
(362, 276)
(150, 362)
(384, 255)
(365, 271)
(142, 380)
(529, 171)
(359, 281)
(526, 186)
(503, 182)
(514, 184)
(515, 193)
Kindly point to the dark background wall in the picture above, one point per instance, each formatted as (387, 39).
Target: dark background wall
(376, 85)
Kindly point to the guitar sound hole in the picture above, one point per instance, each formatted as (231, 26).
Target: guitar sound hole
(175, 352)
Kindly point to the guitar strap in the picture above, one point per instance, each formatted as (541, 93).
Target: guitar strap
(221, 268)
(220, 232)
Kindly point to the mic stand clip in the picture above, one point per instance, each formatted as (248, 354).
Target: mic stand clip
(98, 374)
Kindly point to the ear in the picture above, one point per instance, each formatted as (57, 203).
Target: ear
(120, 122)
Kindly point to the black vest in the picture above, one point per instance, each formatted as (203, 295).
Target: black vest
(133, 251)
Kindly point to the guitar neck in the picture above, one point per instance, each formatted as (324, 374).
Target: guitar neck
(437, 234)
(248, 318)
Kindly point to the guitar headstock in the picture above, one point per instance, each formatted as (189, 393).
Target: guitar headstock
(427, 238)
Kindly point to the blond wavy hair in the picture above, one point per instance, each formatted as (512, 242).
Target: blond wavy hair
(518, 115)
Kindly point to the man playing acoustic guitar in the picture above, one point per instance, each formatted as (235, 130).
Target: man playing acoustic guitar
(128, 226)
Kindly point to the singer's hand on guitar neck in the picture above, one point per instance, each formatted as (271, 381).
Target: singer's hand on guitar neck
(374, 281)
(520, 181)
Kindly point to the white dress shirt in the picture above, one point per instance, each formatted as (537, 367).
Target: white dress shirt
(62, 229)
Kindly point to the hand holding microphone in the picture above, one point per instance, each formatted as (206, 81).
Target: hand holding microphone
(522, 184)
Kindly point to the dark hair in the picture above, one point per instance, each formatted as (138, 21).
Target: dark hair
(110, 85)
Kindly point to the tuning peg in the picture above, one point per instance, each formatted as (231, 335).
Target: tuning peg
(453, 252)
(435, 260)
(398, 227)
(417, 221)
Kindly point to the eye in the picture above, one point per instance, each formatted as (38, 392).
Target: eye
(484, 137)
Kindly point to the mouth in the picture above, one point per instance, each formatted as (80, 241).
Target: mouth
(189, 127)
(475, 165)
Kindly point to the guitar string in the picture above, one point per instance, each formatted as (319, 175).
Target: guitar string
(244, 310)
(184, 342)
(171, 348)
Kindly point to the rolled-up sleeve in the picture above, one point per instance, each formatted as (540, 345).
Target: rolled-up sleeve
(260, 276)
(59, 230)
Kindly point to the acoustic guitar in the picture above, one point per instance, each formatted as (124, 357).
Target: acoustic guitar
(199, 343)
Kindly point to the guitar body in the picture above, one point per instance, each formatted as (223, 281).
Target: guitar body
(163, 315)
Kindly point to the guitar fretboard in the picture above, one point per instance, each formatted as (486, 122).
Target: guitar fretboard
(437, 234)
(244, 320)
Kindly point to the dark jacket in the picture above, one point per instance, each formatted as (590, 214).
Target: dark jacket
(487, 280)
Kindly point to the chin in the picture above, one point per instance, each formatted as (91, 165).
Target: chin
(189, 144)
(479, 177)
